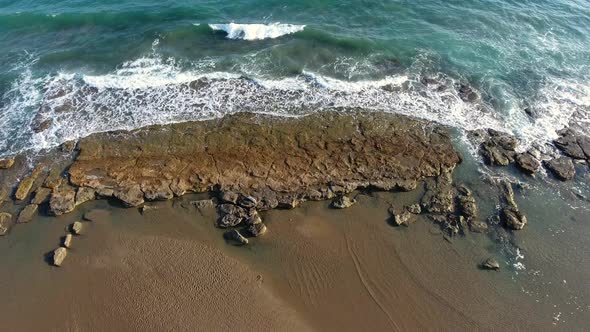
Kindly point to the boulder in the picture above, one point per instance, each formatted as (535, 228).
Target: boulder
(54, 179)
(253, 218)
(477, 226)
(491, 264)
(24, 187)
(229, 220)
(41, 196)
(59, 255)
(235, 237)
(68, 241)
(468, 206)
(288, 201)
(27, 213)
(513, 218)
(563, 168)
(569, 145)
(5, 219)
(498, 148)
(343, 202)
(158, 191)
(6, 163)
(76, 228)
(527, 163)
(438, 198)
(84, 195)
(130, 196)
(256, 229)
(62, 201)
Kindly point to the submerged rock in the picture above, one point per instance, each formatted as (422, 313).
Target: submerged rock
(5, 219)
(59, 255)
(343, 202)
(27, 213)
(563, 168)
(203, 204)
(491, 264)
(6, 163)
(235, 237)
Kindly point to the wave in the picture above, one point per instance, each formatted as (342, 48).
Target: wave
(152, 90)
(257, 31)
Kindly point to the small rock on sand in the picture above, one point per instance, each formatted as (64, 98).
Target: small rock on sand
(343, 202)
(256, 229)
(491, 264)
(59, 255)
(68, 241)
(76, 228)
(235, 237)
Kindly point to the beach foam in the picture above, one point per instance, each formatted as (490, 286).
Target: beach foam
(256, 31)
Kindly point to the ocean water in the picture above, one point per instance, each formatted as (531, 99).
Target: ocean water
(84, 66)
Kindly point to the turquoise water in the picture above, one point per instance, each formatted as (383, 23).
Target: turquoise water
(88, 66)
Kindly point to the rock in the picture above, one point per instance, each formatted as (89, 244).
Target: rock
(491, 264)
(5, 219)
(498, 148)
(229, 220)
(157, 191)
(343, 202)
(288, 202)
(414, 209)
(24, 187)
(41, 126)
(6, 163)
(76, 228)
(229, 197)
(4, 193)
(513, 218)
(527, 163)
(59, 255)
(130, 196)
(248, 202)
(562, 168)
(568, 144)
(507, 194)
(54, 179)
(466, 92)
(84, 195)
(68, 241)
(105, 192)
(233, 236)
(257, 229)
(405, 218)
(27, 213)
(203, 204)
(438, 198)
(41, 196)
(62, 201)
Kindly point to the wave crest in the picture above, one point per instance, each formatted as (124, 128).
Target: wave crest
(257, 31)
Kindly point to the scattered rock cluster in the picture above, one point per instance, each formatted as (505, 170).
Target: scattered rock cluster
(238, 210)
(60, 254)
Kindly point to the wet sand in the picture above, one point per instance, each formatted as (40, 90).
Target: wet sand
(318, 269)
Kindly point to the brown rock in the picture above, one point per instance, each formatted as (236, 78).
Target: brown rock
(54, 179)
(527, 163)
(76, 228)
(62, 201)
(130, 196)
(27, 213)
(513, 218)
(84, 195)
(257, 229)
(24, 187)
(67, 243)
(6, 163)
(41, 196)
(343, 202)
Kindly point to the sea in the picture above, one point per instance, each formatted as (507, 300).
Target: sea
(75, 67)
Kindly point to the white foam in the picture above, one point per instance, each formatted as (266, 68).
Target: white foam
(257, 31)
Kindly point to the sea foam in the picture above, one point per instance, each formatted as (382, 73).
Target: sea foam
(257, 31)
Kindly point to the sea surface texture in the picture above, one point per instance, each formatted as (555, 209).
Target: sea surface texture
(71, 68)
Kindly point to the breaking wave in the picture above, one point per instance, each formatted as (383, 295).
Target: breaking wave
(257, 31)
